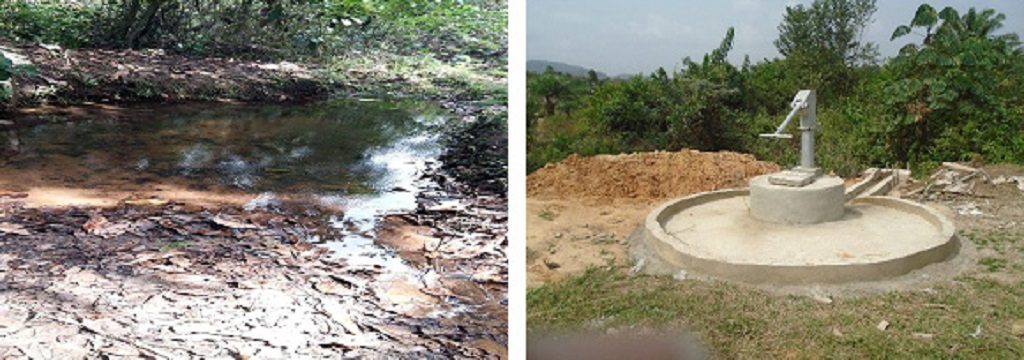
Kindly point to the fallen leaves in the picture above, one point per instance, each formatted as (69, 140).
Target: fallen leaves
(13, 229)
(186, 281)
(232, 223)
(12, 194)
(113, 74)
(99, 225)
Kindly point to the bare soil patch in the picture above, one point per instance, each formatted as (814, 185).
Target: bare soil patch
(73, 76)
(650, 175)
(581, 211)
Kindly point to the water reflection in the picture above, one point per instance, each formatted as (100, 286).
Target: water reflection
(323, 148)
(366, 158)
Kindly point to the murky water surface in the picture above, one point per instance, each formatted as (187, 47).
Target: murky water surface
(364, 157)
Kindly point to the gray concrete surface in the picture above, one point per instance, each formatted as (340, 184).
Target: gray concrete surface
(819, 201)
(876, 238)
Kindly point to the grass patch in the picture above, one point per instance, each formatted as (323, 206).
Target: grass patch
(993, 264)
(174, 245)
(736, 322)
(1000, 241)
(547, 215)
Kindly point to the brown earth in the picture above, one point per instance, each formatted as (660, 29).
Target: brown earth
(651, 175)
(72, 76)
(179, 281)
(581, 211)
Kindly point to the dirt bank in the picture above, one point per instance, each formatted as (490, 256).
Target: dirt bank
(652, 175)
(65, 76)
(580, 211)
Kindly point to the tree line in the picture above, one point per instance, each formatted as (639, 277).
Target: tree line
(262, 28)
(954, 93)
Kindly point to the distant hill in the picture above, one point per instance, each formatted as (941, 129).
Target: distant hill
(574, 70)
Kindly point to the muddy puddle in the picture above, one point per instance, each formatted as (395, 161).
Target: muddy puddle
(363, 159)
(419, 266)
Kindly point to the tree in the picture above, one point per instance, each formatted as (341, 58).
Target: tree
(834, 27)
(592, 77)
(954, 93)
(550, 86)
(823, 44)
(704, 116)
(974, 24)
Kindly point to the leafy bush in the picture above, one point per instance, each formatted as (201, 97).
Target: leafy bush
(954, 91)
(956, 95)
(8, 70)
(264, 28)
(48, 21)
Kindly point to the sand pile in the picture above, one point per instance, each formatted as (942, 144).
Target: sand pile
(650, 175)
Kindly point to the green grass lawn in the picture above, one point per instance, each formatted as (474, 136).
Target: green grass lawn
(739, 322)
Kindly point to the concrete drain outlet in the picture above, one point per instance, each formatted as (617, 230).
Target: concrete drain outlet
(797, 227)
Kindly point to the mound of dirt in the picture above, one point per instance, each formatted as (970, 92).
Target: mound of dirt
(648, 175)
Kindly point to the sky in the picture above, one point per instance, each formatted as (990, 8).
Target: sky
(626, 37)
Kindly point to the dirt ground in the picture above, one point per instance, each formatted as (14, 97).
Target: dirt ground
(966, 307)
(185, 281)
(100, 263)
(581, 211)
(73, 76)
(651, 175)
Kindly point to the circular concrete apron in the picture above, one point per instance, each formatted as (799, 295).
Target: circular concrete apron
(877, 238)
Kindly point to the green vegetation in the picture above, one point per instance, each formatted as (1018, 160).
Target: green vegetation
(175, 245)
(970, 319)
(430, 47)
(263, 28)
(953, 95)
(7, 70)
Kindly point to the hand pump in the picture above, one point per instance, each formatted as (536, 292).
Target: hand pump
(803, 104)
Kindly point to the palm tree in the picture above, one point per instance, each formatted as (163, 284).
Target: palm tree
(978, 24)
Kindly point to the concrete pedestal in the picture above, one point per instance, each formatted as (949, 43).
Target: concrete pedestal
(819, 201)
(713, 234)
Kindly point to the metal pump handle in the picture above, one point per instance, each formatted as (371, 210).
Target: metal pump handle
(803, 103)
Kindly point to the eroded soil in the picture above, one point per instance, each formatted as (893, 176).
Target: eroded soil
(581, 211)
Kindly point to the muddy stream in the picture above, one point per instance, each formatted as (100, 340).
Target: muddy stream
(364, 166)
